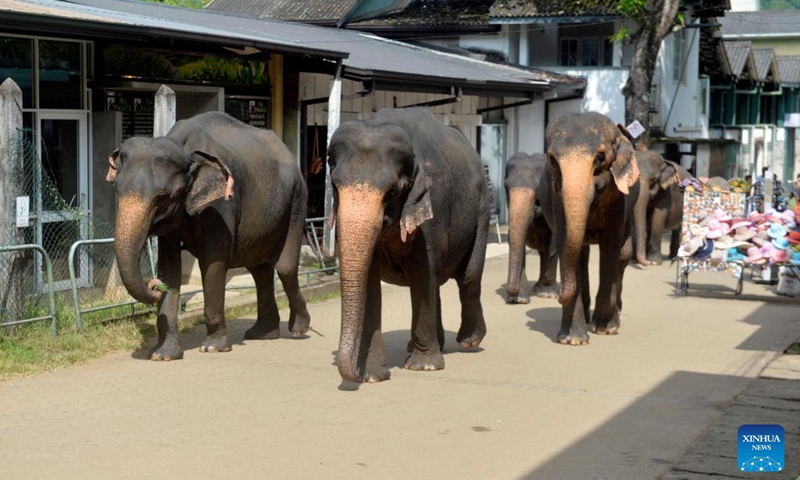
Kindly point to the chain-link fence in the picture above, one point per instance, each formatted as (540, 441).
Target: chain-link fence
(85, 277)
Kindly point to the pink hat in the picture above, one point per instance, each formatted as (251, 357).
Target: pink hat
(754, 256)
(780, 256)
(737, 224)
(715, 229)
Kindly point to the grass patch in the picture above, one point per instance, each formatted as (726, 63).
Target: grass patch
(30, 349)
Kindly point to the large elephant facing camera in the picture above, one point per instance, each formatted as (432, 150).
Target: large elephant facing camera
(659, 207)
(526, 181)
(594, 185)
(231, 195)
(411, 205)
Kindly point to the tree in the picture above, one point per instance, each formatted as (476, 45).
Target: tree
(653, 20)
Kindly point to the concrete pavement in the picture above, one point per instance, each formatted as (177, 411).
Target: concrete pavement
(623, 407)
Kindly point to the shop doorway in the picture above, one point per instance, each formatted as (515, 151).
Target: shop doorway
(313, 168)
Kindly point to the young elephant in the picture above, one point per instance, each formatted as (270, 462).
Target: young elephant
(230, 194)
(525, 181)
(659, 207)
(412, 209)
(595, 183)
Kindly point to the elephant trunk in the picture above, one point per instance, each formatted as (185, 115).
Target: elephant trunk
(640, 224)
(359, 220)
(133, 223)
(520, 215)
(577, 194)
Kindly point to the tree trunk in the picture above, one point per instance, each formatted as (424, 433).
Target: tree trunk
(646, 44)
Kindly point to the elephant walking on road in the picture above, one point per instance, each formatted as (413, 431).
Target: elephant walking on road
(412, 209)
(525, 182)
(230, 194)
(594, 182)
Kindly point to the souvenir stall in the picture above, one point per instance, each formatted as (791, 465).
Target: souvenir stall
(721, 232)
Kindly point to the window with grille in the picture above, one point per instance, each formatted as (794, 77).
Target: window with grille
(586, 52)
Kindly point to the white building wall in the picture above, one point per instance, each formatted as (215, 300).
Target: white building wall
(603, 90)
(681, 104)
(525, 128)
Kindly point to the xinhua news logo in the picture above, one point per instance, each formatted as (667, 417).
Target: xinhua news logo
(761, 448)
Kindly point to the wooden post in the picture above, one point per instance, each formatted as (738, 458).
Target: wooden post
(164, 115)
(12, 300)
(334, 110)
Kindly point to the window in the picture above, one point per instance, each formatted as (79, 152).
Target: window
(16, 62)
(678, 54)
(586, 52)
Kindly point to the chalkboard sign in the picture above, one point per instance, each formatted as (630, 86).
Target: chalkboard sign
(252, 111)
(137, 112)
(493, 220)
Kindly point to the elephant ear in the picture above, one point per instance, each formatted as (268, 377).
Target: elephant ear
(624, 167)
(669, 175)
(113, 165)
(210, 180)
(417, 209)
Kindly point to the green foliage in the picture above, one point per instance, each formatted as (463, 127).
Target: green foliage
(780, 4)
(183, 3)
(631, 8)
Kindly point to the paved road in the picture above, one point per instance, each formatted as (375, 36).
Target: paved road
(623, 407)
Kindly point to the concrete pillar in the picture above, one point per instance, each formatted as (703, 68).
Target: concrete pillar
(165, 108)
(334, 114)
(524, 46)
(11, 271)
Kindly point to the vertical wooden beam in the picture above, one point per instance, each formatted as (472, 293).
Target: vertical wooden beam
(276, 80)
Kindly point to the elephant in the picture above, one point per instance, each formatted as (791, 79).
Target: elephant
(411, 209)
(594, 182)
(525, 181)
(230, 194)
(659, 207)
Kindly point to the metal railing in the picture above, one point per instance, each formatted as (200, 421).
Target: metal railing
(50, 294)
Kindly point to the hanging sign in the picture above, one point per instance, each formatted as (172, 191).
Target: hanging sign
(635, 129)
(23, 211)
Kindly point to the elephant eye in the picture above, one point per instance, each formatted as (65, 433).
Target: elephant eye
(600, 158)
(162, 195)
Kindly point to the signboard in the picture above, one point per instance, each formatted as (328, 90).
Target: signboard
(137, 110)
(791, 120)
(23, 211)
(253, 111)
(635, 129)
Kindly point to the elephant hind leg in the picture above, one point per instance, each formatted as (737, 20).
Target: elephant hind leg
(287, 267)
(267, 326)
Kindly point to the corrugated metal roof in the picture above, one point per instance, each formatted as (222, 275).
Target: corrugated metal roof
(765, 63)
(368, 56)
(434, 13)
(789, 68)
(762, 23)
(297, 10)
(505, 9)
(739, 55)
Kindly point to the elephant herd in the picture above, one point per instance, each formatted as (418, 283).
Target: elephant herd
(411, 208)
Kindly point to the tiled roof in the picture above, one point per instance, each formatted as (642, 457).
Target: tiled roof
(504, 9)
(764, 60)
(764, 22)
(435, 13)
(789, 68)
(739, 53)
(293, 10)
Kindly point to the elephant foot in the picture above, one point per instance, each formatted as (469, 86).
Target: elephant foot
(299, 324)
(545, 291)
(425, 361)
(518, 299)
(169, 350)
(215, 344)
(575, 337)
(609, 327)
(655, 259)
(471, 340)
(261, 331)
(376, 370)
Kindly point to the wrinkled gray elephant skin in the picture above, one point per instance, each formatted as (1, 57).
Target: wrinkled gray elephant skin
(412, 209)
(230, 194)
(594, 182)
(525, 181)
(659, 207)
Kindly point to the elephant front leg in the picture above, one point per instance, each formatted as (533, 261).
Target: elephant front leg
(375, 368)
(606, 320)
(674, 243)
(169, 271)
(213, 271)
(425, 354)
(267, 326)
(575, 314)
(656, 234)
(546, 286)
